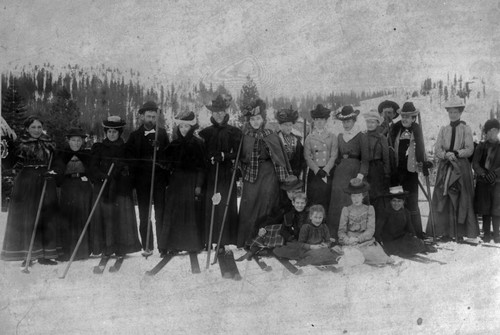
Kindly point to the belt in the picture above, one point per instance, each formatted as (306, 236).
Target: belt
(34, 166)
(345, 156)
(76, 175)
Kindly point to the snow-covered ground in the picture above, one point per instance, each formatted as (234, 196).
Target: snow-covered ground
(460, 297)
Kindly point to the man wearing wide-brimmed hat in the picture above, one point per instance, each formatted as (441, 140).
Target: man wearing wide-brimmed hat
(388, 110)
(140, 147)
(221, 142)
(407, 144)
(453, 196)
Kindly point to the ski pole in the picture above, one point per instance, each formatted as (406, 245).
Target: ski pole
(37, 219)
(88, 222)
(147, 252)
(209, 244)
(233, 177)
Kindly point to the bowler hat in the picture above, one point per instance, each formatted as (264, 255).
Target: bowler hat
(148, 106)
(291, 183)
(219, 104)
(490, 124)
(186, 117)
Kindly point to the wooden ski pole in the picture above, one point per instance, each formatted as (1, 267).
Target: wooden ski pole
(305, 169)
(37, 218)
(148, 252)
(88, 222)
(209, 242)
(425, 171)
(233, 177)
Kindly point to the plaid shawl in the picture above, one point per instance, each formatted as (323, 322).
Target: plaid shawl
(271, 239)
(277, 153)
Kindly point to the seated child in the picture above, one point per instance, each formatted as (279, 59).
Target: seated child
(395, 230)
(313, 245)
(268, 230)
(294, 219)
(357, 226)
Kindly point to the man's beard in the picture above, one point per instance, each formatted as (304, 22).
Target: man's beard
(149, 125)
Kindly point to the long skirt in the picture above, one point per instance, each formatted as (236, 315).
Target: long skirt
(456, 209)
(293, 250)
(75, 204)
(21, 218)
(345, 171)
(378, 186)
(231, 224)
(257, 200)
(114, 224)
(318, 192)
(407, 245)
(182, 227)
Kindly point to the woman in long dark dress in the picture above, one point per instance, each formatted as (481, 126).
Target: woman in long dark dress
(352, 163)
(72, 167)
(265, 165)
(453, 198)
(114, 225)
(32, 154)
(185, 156)
(221, 141)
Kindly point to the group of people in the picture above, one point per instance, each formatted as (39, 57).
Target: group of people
(320, 200)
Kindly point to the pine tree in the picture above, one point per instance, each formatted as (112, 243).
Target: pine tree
(63, 114)
(248, 93)
(14, 109)
(446, 93)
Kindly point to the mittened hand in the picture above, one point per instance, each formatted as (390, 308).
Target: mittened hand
(262, 232)
(216, 198)
(217, 158)
(321, 173)
(49, 174)
(490, 177)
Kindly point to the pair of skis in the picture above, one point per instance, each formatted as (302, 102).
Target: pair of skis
(193, 257)
(99, 269)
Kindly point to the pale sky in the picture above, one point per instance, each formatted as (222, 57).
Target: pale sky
(287, 46)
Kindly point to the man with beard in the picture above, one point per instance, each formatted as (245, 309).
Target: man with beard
(140, 148)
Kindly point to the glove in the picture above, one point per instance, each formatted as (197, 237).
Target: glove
(321, 173)
(218, 157)
(49, 174)
(490, 177)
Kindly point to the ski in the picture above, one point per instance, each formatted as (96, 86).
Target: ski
(263, 266)
(118, 264)
(99, 269)
(195, 265)
(422, 259)
(231, 264)
(161, 264)
(289, 266)
(224, 267)
(479, 244)
(328, 268)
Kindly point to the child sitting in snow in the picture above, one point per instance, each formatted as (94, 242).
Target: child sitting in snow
(357, 226)
(394, 228)
(294, 219)
(313, 245)
(268, 230)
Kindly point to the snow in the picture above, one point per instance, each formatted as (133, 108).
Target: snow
(460, 297)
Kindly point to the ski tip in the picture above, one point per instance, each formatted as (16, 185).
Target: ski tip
(298, 272)
(98, 270)
(196, 271)
(149, 273)
(268, 268)
(227, 275)
(112, 269)
(237, 277)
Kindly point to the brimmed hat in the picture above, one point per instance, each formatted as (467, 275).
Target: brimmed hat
(76, 131)
(357, 186)
(389, 104)
(219, 104)
(455, 102)
(490, 124)
(409, 109)
(186, 117)
(320, 112)
(347, 113)
(397, 192)
(258, 107)
(291, 183)
(113, 121)
(373, 115)
(287, 115)
(148, 106)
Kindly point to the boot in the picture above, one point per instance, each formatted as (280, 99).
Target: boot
(496, 226)
(45, 261)
(486, 228)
